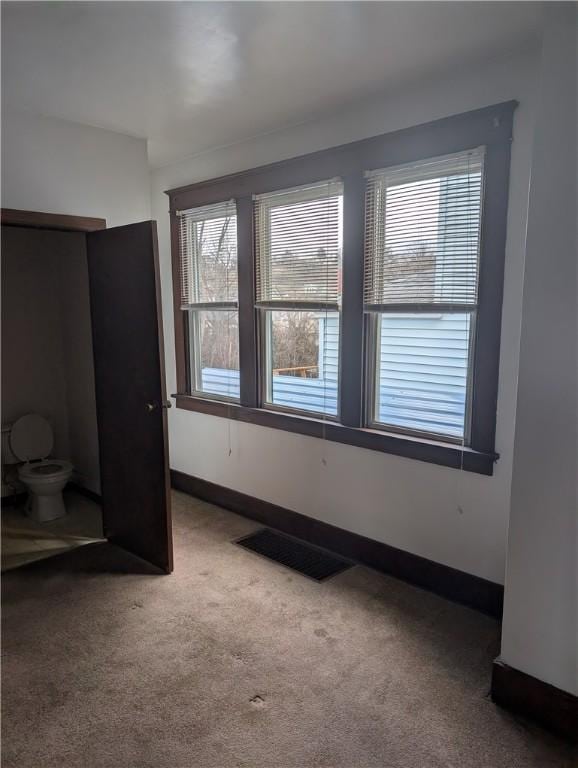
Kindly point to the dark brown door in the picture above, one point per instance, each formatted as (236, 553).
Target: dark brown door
(130, 390)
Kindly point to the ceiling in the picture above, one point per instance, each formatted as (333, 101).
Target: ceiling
(192, 76)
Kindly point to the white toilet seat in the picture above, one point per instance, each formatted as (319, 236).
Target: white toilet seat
(46, 470)
(31, 441)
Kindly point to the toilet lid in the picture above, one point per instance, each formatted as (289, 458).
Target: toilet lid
(31, 437)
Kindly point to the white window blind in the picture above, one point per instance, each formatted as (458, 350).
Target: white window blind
(422, 232)
(208, 256)
(298, 246)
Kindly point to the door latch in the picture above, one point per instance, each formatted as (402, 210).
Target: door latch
(152, 406)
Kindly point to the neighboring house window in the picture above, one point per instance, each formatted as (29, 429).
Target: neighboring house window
(421, 287)
(209, 286)
(298, 269)
(355, 305)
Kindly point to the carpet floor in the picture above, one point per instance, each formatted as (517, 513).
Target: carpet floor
(237, 662)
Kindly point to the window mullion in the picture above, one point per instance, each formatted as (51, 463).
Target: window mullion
(194, 351)
(471, 377)
(248, 337)
(352, 321)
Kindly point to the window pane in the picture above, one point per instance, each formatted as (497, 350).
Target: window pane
(208, 249)
(422, 372)
(423, 232)
(215, 352)
(303, 360)
(298, 244)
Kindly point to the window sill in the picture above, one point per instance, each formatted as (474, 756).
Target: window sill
(431, 451)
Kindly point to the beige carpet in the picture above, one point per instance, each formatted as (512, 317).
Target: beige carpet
(236, 662)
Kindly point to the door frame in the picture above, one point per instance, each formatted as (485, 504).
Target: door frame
(13, 217)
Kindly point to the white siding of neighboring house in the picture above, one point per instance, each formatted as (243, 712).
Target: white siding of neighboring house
(423, 365)
(328, 358)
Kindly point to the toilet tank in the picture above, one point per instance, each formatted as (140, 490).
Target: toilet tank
(7, 456)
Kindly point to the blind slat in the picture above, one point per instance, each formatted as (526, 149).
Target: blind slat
(298, 245)
(208, 255)
(422, 232)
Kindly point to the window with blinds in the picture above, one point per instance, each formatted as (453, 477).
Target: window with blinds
(298, 237)
(422, 247)
(209, 287)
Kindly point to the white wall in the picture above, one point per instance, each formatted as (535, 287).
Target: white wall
(539, 629)
(60, 167)
(453, 517)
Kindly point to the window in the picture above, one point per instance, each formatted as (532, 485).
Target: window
(298, 269)
(421, 288)
(354, 294)
(208, 272)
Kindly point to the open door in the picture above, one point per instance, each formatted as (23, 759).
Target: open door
(130, 390)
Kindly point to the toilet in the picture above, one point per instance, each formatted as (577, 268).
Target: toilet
(30, 440)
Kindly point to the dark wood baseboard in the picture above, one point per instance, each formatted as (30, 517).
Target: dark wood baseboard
(96, 497)
(464, 588)
(547, 705)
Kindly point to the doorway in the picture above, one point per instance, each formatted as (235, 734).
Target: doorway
(48, 371)
(128, 472)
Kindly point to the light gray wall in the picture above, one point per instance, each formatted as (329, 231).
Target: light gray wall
(540, 623)
(61, 167)
(47, 363)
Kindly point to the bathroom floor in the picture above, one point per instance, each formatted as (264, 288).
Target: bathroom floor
(24, 540)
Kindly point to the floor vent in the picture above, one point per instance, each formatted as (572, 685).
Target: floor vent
(292, 553)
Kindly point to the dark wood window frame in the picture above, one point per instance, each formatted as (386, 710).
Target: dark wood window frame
(490, 127)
